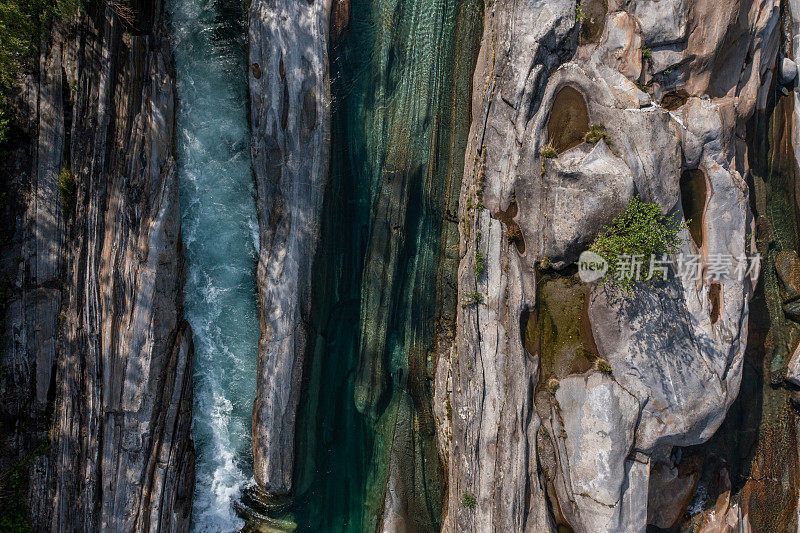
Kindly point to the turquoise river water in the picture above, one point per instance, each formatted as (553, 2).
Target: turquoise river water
(383, 275)
(219, 236)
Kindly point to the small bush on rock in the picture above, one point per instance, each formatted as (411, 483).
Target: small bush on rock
(548, 151)
(469, 500)
(67, 188)
(595, 134)
(473, 298)
(604, 366)
(480, 263)
(633, 237)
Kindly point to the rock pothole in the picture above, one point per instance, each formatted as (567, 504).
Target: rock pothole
(569, 119)
(693, 200)
(594, 20)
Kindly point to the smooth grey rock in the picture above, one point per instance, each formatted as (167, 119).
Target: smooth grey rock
(661, 21)
(621, 45)
(666, 57)
(584, 189)
(599, 422)
(793, 368)
(290, 123)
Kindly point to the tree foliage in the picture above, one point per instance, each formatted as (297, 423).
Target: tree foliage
(23, 25)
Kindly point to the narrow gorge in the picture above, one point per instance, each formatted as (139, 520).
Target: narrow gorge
(400, 265)
(220, 235)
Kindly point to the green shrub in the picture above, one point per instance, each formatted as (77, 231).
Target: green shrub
(595, 134)
(14, 492)
(604, 366)
(639, 231)
(469, 500)
(23, 24)
(67, 188)
(480, 263)
(646, 53)
(579, 13)
(548, 151)
(473, 298)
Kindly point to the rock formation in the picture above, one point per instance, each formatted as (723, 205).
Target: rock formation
(290, 121)
(94, 319)
(421, 363)
(537, 435)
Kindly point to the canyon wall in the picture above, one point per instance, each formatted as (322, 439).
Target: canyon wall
(420, 362)
(97, 359)
(567, 405)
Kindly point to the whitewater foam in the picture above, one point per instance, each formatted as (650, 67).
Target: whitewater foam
(220, 234)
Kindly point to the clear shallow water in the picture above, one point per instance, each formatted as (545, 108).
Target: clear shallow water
(400, 84)
(219, 232)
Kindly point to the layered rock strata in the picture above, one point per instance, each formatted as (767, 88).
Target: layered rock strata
(290, 122)
(95, 321)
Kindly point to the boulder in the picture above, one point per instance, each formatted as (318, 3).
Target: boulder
(584, 189)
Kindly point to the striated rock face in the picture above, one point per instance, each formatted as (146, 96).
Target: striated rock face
(540, 437)
(290, 121)
(99, 334)
(123, 441)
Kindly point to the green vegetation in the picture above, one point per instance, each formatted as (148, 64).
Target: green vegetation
(14, 492)
(22, 27)
(603, 366)
(596, 133)
(67, 188)
(634, 236)
(579, 13)
(5, 122)
(647, 53)
(548, 151)
(473, 298)
(468, 500)
(480, 263)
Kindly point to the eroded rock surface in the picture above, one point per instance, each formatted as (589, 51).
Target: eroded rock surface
(98, 331)
(290, 123)
(675, 350)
